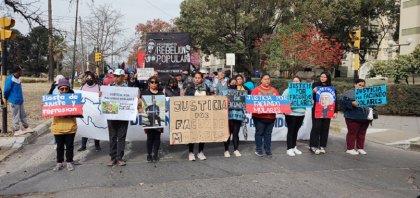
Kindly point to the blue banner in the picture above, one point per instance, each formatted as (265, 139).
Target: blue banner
(300, 94)
(371, 96)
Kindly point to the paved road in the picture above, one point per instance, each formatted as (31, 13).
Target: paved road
(384, 172)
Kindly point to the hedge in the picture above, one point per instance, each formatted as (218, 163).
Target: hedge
(402, 100)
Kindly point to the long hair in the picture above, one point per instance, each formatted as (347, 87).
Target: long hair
(328, 75)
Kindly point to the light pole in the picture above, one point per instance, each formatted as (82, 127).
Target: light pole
(392, 44)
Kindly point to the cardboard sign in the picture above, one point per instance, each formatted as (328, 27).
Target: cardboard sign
(153, 111)
(371, 96)
(236, 98)
(325, 102)
(300, 94)
(267, 104)
(119, 103)
(198, 119)
(62, 105)
(144, 73)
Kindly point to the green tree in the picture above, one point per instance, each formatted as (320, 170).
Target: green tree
(232, 26)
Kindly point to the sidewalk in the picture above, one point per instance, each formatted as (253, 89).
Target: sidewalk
(397, 131)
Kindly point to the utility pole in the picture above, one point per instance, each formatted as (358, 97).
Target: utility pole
(50, 44)
(354, 44)
(74, 44)
(81, 40)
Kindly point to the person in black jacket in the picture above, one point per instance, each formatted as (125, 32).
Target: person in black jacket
(153, 134)
(199, 88)
(356, 120)
(320, 126)
(172, 89)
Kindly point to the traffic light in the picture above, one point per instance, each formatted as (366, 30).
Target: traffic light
(98, 57)
(355, 36)
(5, 25)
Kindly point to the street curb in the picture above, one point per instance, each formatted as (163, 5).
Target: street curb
(19, 141)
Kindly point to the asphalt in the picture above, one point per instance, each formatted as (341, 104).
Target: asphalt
(384, 172)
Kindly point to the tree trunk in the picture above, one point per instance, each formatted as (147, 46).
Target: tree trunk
(50, 44)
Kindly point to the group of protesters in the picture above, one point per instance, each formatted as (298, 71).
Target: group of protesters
(203, 84)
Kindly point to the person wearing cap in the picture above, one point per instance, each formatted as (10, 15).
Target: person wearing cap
(14, 95)
(54, 89)
(64, 130)
(117, 128)
(109, 78)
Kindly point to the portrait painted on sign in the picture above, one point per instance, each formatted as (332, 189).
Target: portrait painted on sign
(151, 45)
(325, 104)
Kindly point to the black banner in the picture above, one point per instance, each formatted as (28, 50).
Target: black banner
(168, 52)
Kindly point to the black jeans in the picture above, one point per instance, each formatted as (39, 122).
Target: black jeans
(67, 141)
(234, 126)
(153, 141)
(84, 142)
(293, 125)
(319, 132)
(200, 147)
(117, 132)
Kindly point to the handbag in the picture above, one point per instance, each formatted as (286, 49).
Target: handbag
(370, 114)
(375, 113)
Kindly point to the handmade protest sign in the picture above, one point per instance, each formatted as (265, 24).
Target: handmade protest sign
(144, 73)
(325, 102)
(62, 105)
(198, 119)
(371, 96)
(300, 94)
(153, 111)
(236, 98)
(267, 104)
(119, 103)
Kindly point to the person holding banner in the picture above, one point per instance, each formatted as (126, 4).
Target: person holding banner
(264, 123)
(321, 126)
(90, 85)
(117, 128)
(356, 120)
(236, 117)
(199, 88)
(153, 134)
(293, 121)
(64, 129)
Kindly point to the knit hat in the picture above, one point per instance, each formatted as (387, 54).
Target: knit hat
(63, 82)
(58, 78)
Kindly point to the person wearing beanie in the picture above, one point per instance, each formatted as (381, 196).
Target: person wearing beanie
(54, 89)
(14, 95)
(64, 129)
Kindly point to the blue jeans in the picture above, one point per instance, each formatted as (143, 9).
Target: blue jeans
(263, 132)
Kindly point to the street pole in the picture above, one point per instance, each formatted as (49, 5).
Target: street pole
(74, 44)
(356, 65)
(3, 80)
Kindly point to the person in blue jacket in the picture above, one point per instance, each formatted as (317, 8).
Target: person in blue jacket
(14, 95)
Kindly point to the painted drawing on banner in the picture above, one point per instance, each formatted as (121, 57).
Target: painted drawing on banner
(371, 96)
(62, 105)
(325, 102)
(153, 111)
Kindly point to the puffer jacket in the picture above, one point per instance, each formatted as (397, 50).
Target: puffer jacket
(350, 111)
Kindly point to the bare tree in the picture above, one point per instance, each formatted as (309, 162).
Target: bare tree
(103, 29)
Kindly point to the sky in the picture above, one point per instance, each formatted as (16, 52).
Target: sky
(134, 11)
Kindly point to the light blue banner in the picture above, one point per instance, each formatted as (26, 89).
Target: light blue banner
(371, 96)
(300, 94)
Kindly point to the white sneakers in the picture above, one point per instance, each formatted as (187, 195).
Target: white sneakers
(322, 150)
(22, 132)
(191, 157)
(293, 152)
(352, 152)
(237, 153)
(290, 153)
(361, 152)
(201, 156)
(315, 150)
(227, 154)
